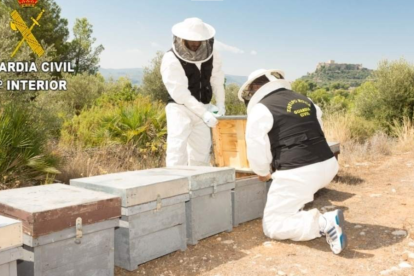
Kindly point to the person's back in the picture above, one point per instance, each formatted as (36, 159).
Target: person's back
(296, 137)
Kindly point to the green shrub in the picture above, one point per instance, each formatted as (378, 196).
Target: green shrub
(362, 129)
(152, 84)
(233, 105)
(390, 96)
(320, 97)
(301, 86)
(24, 159)
(121, 90)
(141, 123)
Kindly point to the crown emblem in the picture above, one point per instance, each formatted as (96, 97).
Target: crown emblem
(27, 3)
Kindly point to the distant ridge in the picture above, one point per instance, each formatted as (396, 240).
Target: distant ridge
(136, 75)
(330, 72)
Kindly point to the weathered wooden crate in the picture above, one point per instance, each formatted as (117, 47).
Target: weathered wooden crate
(229, 150)
(66, 230)
(209, 210)
(153, 213)
(11, 241)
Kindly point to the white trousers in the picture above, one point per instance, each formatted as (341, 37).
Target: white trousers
(290, 191)
(188, 138)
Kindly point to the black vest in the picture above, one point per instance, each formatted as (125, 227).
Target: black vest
(198, 80)
(296, 138)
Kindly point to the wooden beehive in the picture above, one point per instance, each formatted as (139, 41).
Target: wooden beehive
(229, 144)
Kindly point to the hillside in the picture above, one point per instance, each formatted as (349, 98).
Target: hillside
(136, 75)
(331, 72)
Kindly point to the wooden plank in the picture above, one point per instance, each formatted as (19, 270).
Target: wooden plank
(217, 149)
(227, 126)
(232, 159)
(241, 137)
(51, 208)
(229, 142)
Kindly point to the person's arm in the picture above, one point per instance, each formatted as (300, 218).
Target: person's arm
(176, 82)
(217, 83)
(259, 123)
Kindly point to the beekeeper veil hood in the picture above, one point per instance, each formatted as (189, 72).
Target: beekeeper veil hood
(259, 84)
(193, 29)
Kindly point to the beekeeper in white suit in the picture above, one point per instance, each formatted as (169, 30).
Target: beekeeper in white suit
(191, 72)
(285, 142)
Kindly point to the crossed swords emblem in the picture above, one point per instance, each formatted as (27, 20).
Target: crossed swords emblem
(18, 24)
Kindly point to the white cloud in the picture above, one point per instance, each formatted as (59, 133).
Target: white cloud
(253, 53)
(227, 48)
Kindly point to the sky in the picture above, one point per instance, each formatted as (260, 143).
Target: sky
(291, 35)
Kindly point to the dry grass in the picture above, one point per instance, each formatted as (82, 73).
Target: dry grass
(405, 135)
(360, 142)
(354, 152)
(89, 162)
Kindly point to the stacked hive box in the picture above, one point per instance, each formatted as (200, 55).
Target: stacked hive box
(153, 213)
(11, 241)
(209, 210)
(66, 230)
(229, 148)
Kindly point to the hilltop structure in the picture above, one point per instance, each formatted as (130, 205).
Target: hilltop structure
(338, 66)
(327, 73)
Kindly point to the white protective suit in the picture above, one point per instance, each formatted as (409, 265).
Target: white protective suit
(290, 189)
(188, 135)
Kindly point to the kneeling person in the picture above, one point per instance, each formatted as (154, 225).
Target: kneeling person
(284, 137)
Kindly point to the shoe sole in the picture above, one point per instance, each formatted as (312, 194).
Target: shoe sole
(340, 220)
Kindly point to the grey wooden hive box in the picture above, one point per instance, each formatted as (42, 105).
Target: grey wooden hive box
(209, 210)
(153, 213)
(11, 241)
(66, 230)
(249, 199)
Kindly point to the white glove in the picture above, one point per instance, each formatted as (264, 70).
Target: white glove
(209, 119)
(221, 110)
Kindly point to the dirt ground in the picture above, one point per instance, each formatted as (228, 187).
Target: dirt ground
(378, 203)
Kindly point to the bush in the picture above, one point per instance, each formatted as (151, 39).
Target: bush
(233, 105)
(121, 90)
(152, 84)
(141, 123)
(301, 87)
(343, 127)
(24, 159)
(320, 97)
(391, 94)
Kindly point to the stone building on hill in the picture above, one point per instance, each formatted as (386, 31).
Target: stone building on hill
(332, 66)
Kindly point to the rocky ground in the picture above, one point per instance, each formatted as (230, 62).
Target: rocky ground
(378, 203)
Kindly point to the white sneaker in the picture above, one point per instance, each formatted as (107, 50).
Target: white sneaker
(334, 231)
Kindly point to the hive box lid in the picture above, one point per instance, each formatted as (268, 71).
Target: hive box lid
(11, 234)
(335, 147)
(201, 177)
(136, 187)
(51, 208)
